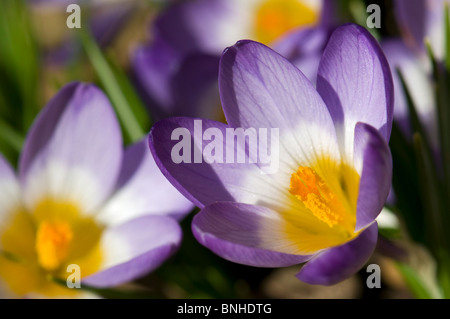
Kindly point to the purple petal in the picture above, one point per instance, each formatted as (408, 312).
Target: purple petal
(73, 150)
(202, 25)
(373, 159)
(195, 88)
(338, 263)
(243, 234)
(435, 26)
(355, 82)
(153, 67)
(6, 171)
(108, 20)
(173, 84)
(142, 189)
(202, 183)
(260, 88)
(134, 249)
(411, 17)
(328, 17)
(416, 77)
(304, 49)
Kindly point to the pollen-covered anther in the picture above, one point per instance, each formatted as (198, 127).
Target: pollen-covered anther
(309, 187)
(52, 243)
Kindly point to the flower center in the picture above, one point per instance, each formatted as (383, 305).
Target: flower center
(52, 243)
(309, 187)
(276, 17)
(323, 199)
(39, 244)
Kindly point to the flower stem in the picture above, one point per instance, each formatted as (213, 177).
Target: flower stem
(129, 122)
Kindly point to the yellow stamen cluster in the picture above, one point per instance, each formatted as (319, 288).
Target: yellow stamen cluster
(309, 187)
(53, 239)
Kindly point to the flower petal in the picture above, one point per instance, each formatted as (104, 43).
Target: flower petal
(174, 84)
(202, 183)
(244, 234)
(416, 77)
(261, 89)
(153, 67)
(135, 248)
(195, 87)
(355, 82)
(374, 162)
(422, 19)
(338, 263)
(73, 152)
(142, 189)
(10, 198)
(108, 20)
(411, 17)
(304, 49)
(204, 25)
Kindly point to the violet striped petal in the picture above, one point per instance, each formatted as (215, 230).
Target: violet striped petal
(135, 248)
(355, 82)
(244, 234)
(336, 264)
(374, 162)
(73, 151)
(142, 189)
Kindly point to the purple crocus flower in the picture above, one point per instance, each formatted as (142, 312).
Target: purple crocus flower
(422, 19)
(172, 83)
(334, 162)
(211, 25)
(177, 72)
(418, 20)
(416, 74)
(78, 198)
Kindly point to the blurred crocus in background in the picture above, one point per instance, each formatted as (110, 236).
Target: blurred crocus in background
(420, 22)
(78, 198)
(335, 167)
(420, 61)
(176, 72)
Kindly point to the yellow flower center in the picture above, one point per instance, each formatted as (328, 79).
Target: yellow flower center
(276, 17)
(323, 201)
(52, 243)
(309, 187)
(39, 245)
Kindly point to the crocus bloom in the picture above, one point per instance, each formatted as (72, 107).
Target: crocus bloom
(415, 72)
(334, 162)
(177, 72)
(211, 25)
(80, 199)
(418, 20)
(173, 83)
(422, 19)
